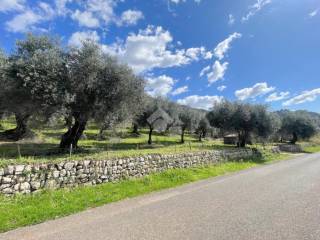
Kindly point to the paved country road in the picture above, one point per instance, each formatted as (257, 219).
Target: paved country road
(277, 201)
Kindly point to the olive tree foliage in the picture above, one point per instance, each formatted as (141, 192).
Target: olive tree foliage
(298, 126)
(203, 128)
(111, 120)
(244, 119)
(98, 86)
(221, 115)
(153, 116)
(276, 123)
(33, 82)
(189, 120)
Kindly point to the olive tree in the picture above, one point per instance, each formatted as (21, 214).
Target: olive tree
(33, 82)
(153, 116)
(97, 83)
(189, 120)
(203, 128)
(112, 119)
(298, 126)
(221, 115)
(244, 119)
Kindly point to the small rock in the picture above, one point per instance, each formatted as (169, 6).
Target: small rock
(35, 185)
(6, 180)
(19, 169)
(86, 163)
(9, 170)
(63, 173)
(7, 191)
(24, 186)
(68, 166)
(56, 174)
(51, 184)
(17, 187)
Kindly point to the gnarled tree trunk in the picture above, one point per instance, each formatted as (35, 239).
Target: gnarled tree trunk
(21, 131)
(72, 136)
(68, 122)
(294, 138)
(243, 137)
(150, 135)
(135, 129)
(182, 135)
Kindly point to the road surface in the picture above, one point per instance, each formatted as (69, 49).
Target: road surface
(277, 201)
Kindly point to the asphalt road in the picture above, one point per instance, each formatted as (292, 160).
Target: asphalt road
(277, 201)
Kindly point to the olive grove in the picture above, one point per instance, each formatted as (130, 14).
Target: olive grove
(42, 79)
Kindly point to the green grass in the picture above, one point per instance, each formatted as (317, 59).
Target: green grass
(312, 149)
(21, 210)
(313, 145)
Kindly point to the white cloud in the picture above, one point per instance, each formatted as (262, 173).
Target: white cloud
(11, 5)
(306, 96)
(231, 19)
(61, 6)
(46, 10)
(103, 9)
(24, 22)
(201, 102)
(205, 70)
(78, 37)
(85, 19)
(218, 71)
(130, 17)
(180, 90)
(149, 49)
(197, 53)
(257, 90)
(159, 86)
(314, 13)
(277, 97)
(101, 13)
(221, 88)
(255, 8)
(223, 47)
(28, 19)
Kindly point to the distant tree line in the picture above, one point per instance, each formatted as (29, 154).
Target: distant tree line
(40, 80)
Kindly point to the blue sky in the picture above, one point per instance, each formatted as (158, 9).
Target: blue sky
(195, 52)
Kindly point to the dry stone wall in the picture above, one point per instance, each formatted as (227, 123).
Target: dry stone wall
(26, 179)
(293, 148)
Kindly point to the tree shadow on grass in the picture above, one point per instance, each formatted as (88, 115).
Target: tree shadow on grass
(17, 149)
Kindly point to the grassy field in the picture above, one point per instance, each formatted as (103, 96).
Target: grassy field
(21, 211)
(120, 144)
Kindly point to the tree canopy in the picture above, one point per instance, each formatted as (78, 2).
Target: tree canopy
(98, 85)
(242, 118)
(298, 126)
(33, 81)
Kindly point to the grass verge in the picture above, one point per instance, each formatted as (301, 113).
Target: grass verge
(311, 149)
(21, 211)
